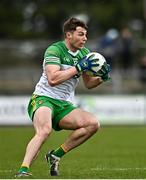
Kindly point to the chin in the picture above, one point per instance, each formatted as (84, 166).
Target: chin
(80, 47)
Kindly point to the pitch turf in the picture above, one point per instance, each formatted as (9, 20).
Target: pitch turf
(113, 153)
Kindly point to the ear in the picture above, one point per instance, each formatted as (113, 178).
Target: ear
(69, 35)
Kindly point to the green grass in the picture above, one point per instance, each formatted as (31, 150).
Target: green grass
(113, 153)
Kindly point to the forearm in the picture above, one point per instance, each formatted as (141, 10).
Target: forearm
(60, 76)
(94, 82)
(91, 82)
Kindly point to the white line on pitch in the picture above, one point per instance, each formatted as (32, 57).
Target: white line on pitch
(117, 169)
(5, 171)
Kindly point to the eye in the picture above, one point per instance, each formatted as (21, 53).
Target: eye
(80, 34)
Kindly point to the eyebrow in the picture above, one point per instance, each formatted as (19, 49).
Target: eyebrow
(82, 32)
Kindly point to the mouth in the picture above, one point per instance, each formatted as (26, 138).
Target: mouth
(82, 44)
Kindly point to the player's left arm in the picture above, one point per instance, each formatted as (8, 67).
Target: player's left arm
(91, 82)
(102, 76)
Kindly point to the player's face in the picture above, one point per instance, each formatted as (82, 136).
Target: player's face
(78, 38)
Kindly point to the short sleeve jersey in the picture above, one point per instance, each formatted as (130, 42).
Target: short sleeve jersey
(58, 54)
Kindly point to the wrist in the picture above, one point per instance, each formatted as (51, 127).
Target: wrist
(77, 74)
(78, 68)
(100, 80)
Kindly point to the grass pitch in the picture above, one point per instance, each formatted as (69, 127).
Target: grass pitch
(113, 153)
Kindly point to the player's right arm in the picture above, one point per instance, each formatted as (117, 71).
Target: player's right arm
(56, 76)
(52, 66)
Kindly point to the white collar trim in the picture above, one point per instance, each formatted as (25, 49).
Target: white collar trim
(73, 53)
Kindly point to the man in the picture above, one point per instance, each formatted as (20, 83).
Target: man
(51, 103)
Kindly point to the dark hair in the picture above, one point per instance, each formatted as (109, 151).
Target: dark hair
(71, 25)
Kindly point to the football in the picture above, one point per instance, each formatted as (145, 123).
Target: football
(99, 59)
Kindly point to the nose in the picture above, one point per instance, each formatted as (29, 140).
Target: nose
(85, 38)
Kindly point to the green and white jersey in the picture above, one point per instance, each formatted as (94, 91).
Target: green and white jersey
(58, 54)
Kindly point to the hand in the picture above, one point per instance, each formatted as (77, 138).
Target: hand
(104, 72)
(86, 64)
(106, 77)
(105, 69)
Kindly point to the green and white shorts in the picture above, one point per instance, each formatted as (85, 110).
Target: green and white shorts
(59, 108)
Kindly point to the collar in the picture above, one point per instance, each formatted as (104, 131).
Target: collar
(73, 53)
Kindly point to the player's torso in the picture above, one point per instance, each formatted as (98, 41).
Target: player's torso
(67, 59)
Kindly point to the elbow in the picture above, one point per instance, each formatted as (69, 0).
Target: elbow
(91, 86)
(52, 83)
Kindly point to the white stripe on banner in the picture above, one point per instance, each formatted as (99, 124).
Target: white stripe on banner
(114, 110)
(13, 110)
(124, 109)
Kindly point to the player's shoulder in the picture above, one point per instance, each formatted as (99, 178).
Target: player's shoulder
(55, 48)
(56, 45)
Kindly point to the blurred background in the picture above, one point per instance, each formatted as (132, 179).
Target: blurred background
(117, 29)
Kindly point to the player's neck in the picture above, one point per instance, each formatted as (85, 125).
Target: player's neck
(69, 47)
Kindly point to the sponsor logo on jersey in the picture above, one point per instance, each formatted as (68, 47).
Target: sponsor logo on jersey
(75, 60)
(67, 60)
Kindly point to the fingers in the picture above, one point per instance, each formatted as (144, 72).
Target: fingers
(105, 68)
(91, 56)
(94, 63)
(106, 77)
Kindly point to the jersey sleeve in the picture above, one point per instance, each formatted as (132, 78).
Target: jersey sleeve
(52, 56)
